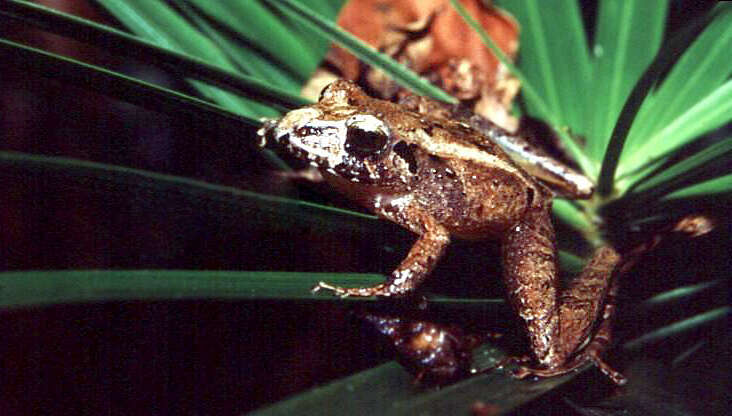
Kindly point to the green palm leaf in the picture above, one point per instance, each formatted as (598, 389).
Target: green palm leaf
(116, 84)
(701, 70)
(38, 288)
(653, 167)
(558, 60)
(628, 36)
(157, 22)
(389, 390)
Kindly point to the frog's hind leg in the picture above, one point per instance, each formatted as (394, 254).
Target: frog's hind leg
(582, 301)
(584, 333)
(602, 339)
(530, 274)
(598, 286)
(561, 324)
(422, 258)
(592, 352)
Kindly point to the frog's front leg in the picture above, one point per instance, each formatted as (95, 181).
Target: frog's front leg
(561, 324)
(422, 258)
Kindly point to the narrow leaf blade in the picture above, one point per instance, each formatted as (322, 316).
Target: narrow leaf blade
(118, 42)
(37, 288)
(555, 56)
(712, 160)
(711, 112)
(701, 69)
(389, 390)
(156, 21)
(628, 36)
(115, 84)
(265, 30)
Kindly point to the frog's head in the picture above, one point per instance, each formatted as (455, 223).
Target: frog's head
(335, 135)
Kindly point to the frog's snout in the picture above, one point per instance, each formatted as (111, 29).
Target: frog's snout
(268, 133)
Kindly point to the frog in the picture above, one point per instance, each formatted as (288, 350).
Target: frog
(445, 178)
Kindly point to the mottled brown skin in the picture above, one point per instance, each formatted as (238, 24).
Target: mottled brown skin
(533, 160)
(440, 179)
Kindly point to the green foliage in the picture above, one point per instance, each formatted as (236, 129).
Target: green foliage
(641, 117)
(388, 390)
(23, 289)
(635, 107)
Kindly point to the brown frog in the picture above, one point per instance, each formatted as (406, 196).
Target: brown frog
(441, 178)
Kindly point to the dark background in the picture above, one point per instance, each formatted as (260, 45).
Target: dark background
(200, 356)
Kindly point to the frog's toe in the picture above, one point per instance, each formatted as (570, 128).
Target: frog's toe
(344, 292)
(578, 362)
(336, 290)
(523, 371)
(617, 377)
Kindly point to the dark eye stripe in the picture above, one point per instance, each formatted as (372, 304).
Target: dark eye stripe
(405, 152)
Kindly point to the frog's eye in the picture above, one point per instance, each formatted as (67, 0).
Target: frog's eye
(365, 135)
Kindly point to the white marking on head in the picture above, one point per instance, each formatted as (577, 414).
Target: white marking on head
(367, 122)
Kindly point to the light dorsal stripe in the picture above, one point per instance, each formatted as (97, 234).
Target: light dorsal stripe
(456, 150)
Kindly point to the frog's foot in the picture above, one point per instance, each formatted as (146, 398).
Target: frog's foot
(344, 292)
(587, 356)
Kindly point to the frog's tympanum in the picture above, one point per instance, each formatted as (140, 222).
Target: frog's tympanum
(441, 179)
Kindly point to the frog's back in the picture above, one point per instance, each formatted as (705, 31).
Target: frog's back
(463, 179)
(468, 182)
